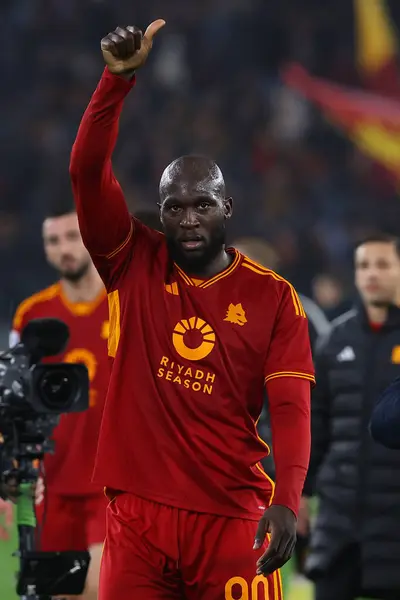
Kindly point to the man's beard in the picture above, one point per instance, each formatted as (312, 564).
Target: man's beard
(196, 263)
(382, 303)
(76, 275)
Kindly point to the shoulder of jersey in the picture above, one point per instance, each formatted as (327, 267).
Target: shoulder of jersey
(262, 274)
(33, 301)
(271, 282)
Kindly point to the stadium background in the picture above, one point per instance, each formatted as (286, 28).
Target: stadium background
(305, 177)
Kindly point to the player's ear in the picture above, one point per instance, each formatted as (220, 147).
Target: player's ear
(228, 208)
(160, 211)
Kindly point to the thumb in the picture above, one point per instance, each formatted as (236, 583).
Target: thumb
(260, 534)
(153, 28)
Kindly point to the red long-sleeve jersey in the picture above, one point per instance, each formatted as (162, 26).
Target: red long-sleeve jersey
(190, 358)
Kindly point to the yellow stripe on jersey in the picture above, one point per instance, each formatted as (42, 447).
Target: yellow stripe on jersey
(271, 482)
(296, 374)
(25, 306)
(279, 587)
(115, 326)
(260, 438)
(223, 274)
(185, 277)
(208, 282)
(121, 246)
(260, 270)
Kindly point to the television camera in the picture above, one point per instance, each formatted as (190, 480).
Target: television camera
(33, 396)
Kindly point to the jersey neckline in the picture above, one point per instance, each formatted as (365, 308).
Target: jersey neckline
(81, 309)
(205, 283)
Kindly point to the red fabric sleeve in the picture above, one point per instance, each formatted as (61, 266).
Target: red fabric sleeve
(104, 219)
(289, 354)
(289, 370)
(289, 404)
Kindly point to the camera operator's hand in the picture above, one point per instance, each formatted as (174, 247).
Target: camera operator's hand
(39, 491)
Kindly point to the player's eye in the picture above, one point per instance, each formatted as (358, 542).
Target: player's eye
(52, 241)
(382, 264)
(174, 208)
(73, 235)
(204, 205)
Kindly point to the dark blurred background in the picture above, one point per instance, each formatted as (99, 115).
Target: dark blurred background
(212, 86)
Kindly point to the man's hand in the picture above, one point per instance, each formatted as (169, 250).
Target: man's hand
(39, 491)
(280, 522)
(303, 520)
(126, 48)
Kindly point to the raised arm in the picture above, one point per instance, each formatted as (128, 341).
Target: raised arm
(104, 220)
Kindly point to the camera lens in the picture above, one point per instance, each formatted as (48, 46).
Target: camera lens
(57, 388)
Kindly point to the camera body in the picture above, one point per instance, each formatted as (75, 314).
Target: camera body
(43, 388)
(33, 396)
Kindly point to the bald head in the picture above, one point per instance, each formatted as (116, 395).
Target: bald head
(190, 174)
(193, 211)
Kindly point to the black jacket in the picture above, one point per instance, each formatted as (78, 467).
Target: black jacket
(318, 324)
(385, 420)
(356, 479)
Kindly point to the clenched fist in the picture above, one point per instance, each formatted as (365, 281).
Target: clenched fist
(126, 48)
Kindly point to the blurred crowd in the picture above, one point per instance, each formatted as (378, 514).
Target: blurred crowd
(212, 86)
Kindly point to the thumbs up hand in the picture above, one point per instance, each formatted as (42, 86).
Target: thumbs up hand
(126, 48)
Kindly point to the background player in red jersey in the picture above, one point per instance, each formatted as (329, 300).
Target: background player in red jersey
(191, 345)
(71, 509)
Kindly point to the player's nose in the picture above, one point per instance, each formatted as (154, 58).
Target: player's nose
(189, 218)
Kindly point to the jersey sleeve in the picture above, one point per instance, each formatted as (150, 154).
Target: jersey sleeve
(108, 231)
(288, 373)
(289, 353)
(18, 323)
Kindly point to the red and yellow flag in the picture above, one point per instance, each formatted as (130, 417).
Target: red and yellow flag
(376, 47)
(370, 121)
(370, 117)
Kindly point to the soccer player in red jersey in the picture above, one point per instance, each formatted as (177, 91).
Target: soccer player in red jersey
(71, 509)
(192, 346)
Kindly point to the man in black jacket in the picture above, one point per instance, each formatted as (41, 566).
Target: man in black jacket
(355, 544)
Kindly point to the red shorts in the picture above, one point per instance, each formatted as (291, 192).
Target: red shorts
(71, 522)
(156, 552)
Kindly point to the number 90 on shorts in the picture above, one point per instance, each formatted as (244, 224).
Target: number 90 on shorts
(260, 588)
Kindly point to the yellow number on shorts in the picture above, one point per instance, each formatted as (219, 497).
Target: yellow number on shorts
(234, 582)
(256, 593)
(259, 589)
